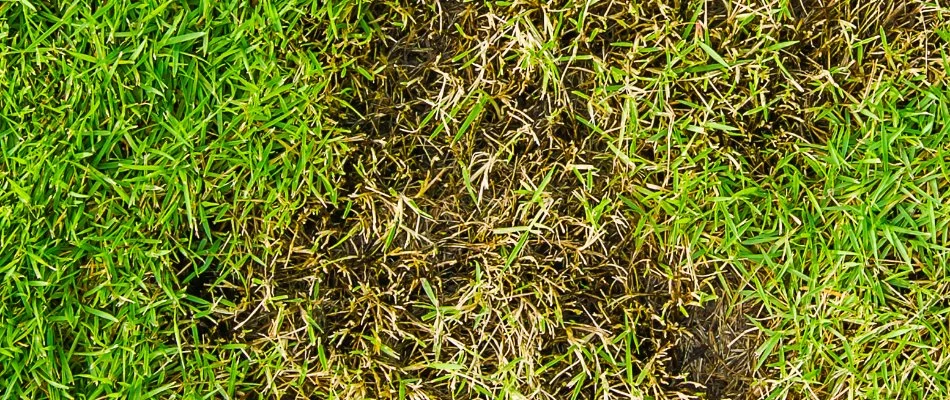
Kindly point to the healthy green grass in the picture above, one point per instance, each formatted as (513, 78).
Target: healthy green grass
(453, 200)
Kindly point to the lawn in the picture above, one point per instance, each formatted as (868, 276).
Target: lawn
(408, 199)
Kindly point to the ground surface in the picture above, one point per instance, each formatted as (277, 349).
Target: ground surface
(459, 200)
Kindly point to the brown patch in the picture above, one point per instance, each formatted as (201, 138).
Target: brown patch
(355, 274)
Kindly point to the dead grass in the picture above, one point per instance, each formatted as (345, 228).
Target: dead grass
(481, 245)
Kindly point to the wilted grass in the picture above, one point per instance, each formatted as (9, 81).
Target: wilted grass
(502, 200)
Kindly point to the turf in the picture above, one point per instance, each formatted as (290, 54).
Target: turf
(400, 199)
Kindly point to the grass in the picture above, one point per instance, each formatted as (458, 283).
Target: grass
(463, 199)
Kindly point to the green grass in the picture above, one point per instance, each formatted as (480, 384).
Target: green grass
(467, 199)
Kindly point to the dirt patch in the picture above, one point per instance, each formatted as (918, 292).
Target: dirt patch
(478, 243)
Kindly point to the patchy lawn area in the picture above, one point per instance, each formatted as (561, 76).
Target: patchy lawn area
(405, 199)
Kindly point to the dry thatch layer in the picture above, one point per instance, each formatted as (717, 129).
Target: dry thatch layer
(527, 204)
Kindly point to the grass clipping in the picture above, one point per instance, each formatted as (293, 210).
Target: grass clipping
(507, 200)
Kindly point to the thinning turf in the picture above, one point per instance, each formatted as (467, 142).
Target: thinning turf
(467, 199)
